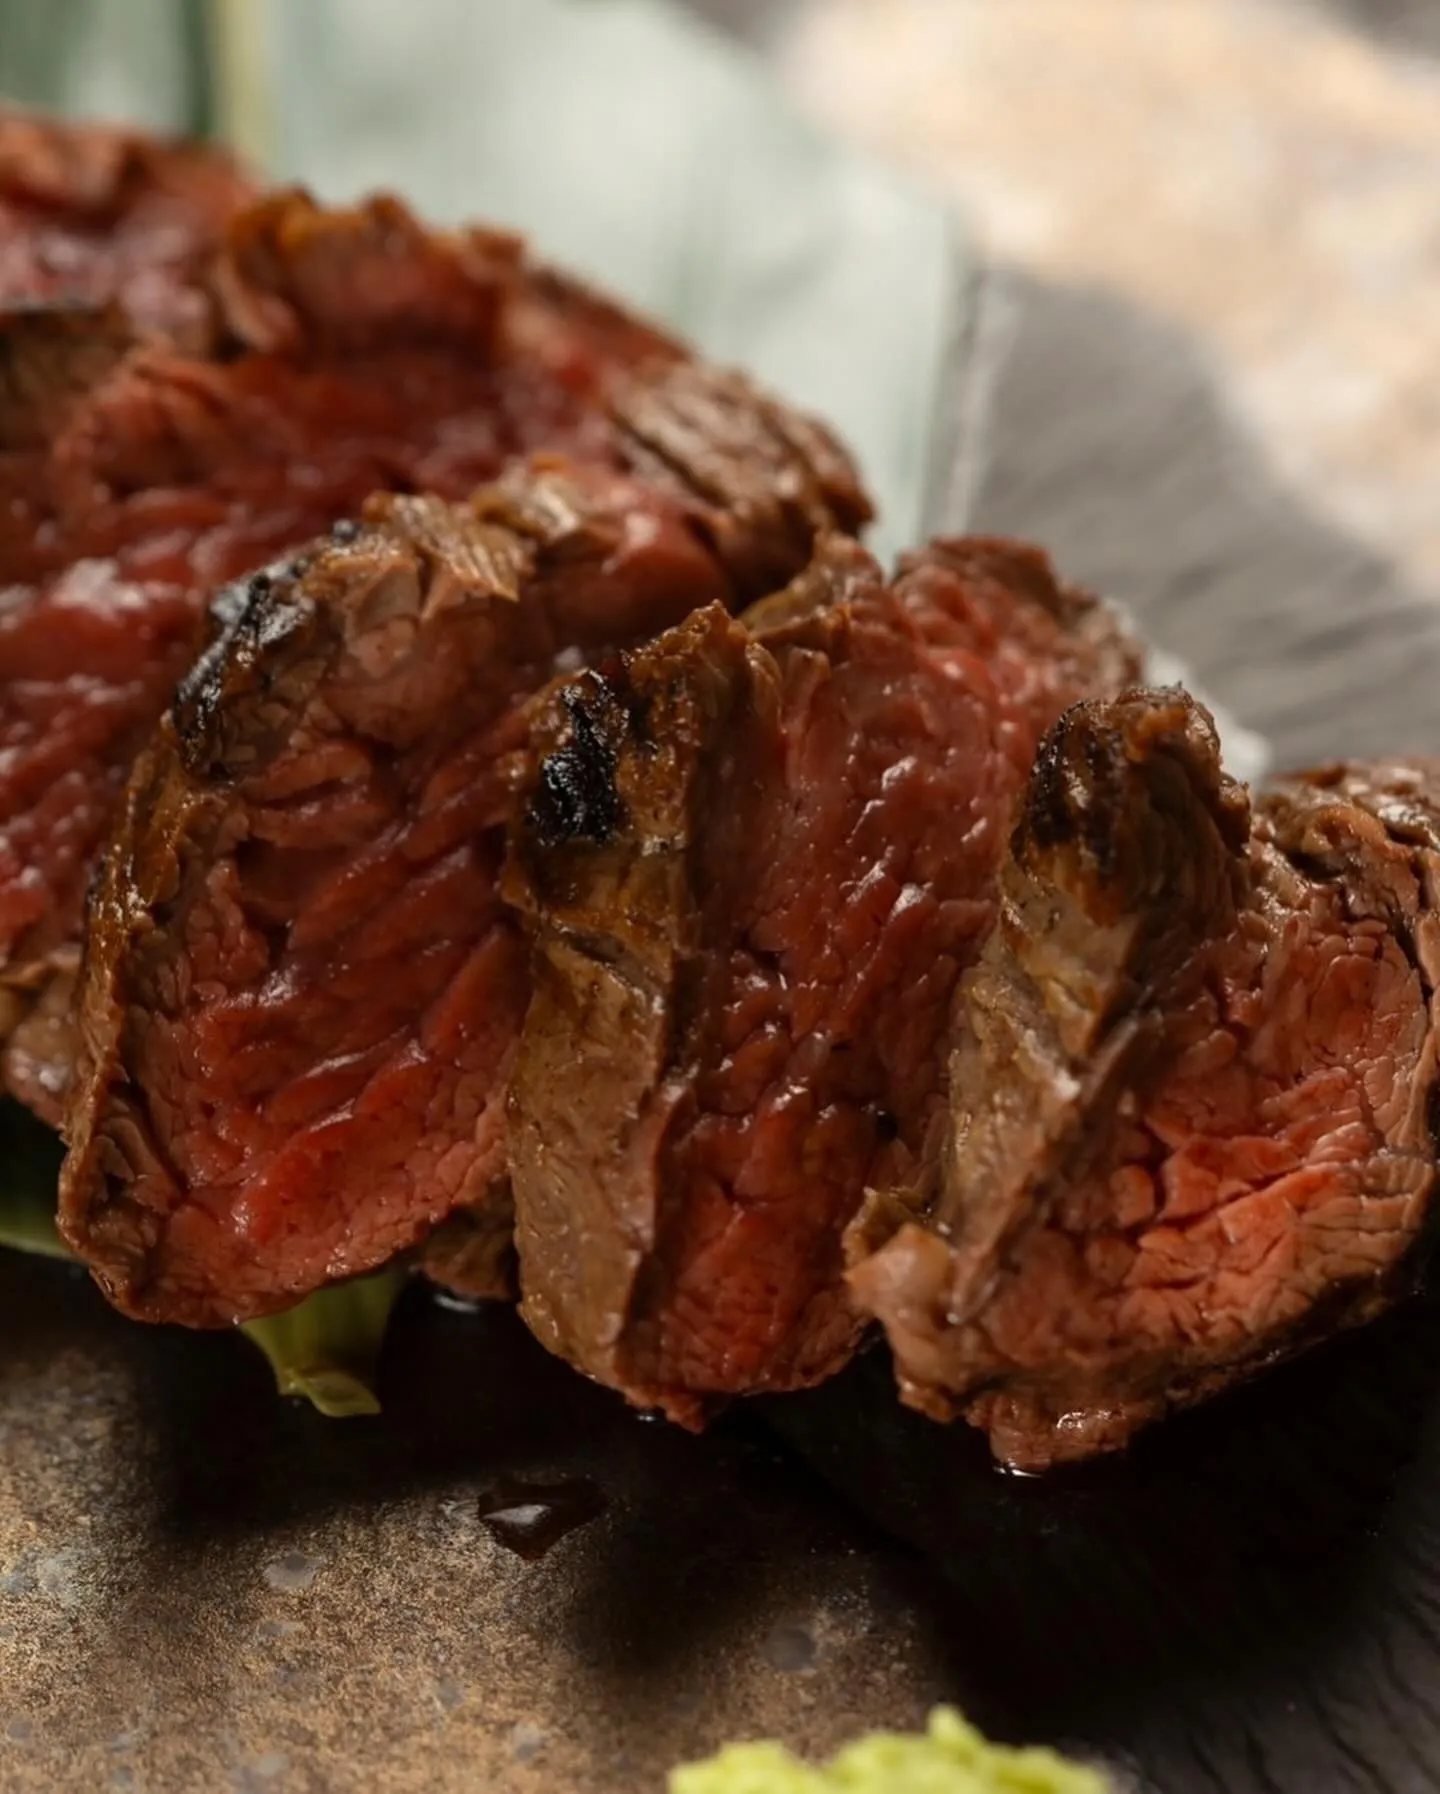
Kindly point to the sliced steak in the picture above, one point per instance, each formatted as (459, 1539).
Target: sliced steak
(93, 214)
(353, 352)
(301, 991)
(754, 856)
(1191, 1088)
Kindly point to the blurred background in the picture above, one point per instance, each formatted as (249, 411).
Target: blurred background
(1218, 227)
(1264, 172)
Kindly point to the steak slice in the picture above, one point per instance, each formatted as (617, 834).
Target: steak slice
(755, 856)
(1191, 1087)
(353, 351)
(301, 991)
(92, 215)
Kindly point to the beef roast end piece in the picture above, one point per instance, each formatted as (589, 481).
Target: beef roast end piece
(1189, 1090)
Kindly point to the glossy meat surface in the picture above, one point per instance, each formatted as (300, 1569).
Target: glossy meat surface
(301, 990)
(352, 351)
(94, 214)
(1191, 1088)
(755, 857)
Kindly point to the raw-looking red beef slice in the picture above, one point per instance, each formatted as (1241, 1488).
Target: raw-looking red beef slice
(301, 991)
(755, 856)
(1191, 1088)
(354, 352)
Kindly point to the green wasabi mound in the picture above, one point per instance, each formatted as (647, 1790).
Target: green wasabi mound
(950, 1758)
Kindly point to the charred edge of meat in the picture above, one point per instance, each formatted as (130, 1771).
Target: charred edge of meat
(724, 441)
(1072, 804)
(575, 797)
(1128, 855)
(273, 286)
(50, 357)
(1019, 565)
(250, 619)
(1092, 766)
(839, 572)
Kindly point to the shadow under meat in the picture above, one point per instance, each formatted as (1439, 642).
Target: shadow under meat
(1256, 1574)
(680, 1544)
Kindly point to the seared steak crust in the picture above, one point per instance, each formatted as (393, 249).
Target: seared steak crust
(346, 351)
(301, 990)
(755, 856)
(1190, 1087)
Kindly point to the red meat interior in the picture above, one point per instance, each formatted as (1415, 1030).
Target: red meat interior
(177, 475)
(1255, 1181)
(90, 213)
(844, 875)
(316, 1032)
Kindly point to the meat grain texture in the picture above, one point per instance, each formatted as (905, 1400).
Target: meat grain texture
(324, 355)
(301, 990)
(1191, 1088)
(755, 856)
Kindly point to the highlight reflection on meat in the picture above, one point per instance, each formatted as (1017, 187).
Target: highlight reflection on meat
(1191, 1088)
(301, 990)
(772, 850)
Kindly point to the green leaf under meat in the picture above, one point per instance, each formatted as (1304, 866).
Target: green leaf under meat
(30, 1156)
(326, 1349)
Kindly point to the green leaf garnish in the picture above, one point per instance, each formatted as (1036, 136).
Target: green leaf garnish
(328, 1347)
(325, 1349)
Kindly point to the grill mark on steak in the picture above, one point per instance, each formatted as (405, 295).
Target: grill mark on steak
(301, 990)
(575, 797)
(1192, 1089)
(345, 351)
(742, 984)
